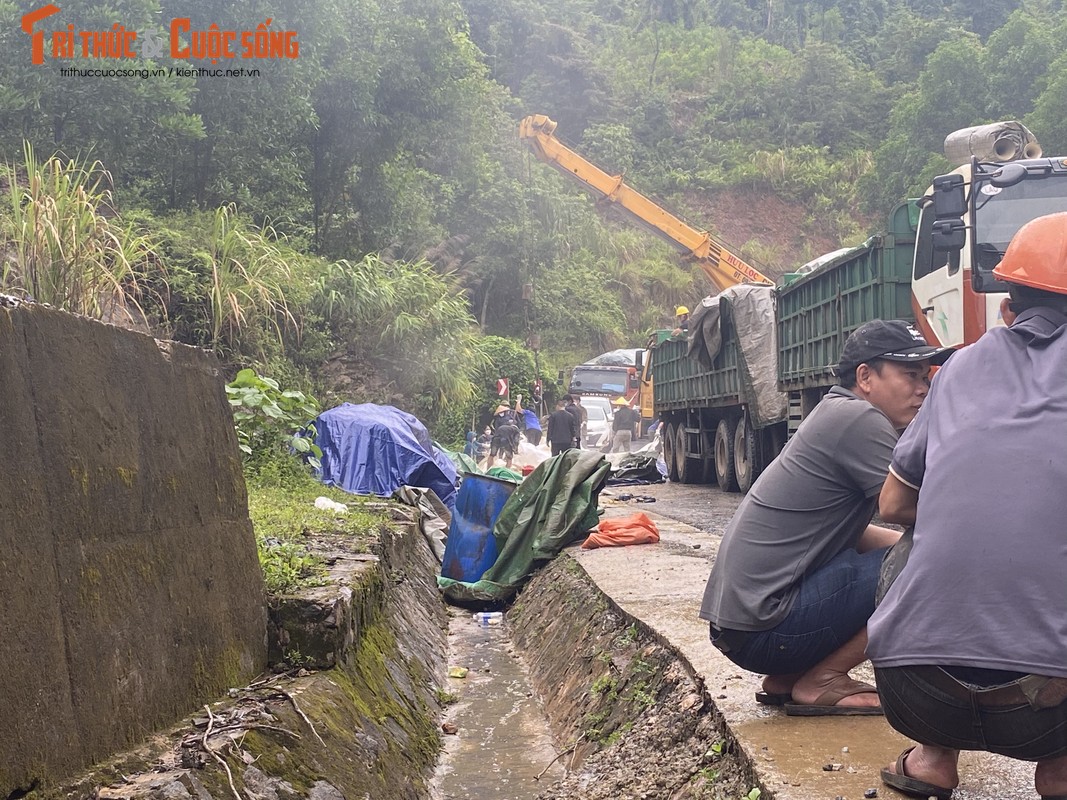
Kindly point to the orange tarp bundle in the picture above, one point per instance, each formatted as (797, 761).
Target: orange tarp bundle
(618, 531)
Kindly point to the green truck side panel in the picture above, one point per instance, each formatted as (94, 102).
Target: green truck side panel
(680, 382)
(816, 313)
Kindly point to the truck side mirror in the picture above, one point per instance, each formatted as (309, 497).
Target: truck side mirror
(983, 282)
(949, 232)
(635, 381)
(559, 377)
(948, 235)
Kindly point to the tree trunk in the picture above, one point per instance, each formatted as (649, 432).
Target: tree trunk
(485, 301)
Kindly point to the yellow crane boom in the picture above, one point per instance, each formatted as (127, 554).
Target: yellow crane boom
(725, 269)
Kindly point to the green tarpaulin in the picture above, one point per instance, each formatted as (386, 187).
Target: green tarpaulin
(463, 462)
(504, 474)
(554, 507)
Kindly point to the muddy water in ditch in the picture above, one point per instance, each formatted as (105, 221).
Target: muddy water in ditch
(502, 742)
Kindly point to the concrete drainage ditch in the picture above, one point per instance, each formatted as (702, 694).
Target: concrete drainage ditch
(569, 699)
(497, 744)
(632, 719)
(628, 718)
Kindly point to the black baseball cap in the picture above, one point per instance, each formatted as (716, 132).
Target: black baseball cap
(892, 340)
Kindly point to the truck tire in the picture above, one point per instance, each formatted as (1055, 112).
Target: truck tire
(724, 457)
(746, 455)
(667, 436)
(690, 469)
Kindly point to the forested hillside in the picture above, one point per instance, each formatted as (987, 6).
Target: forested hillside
(360, 219)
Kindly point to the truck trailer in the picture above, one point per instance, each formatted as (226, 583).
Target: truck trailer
(933, 267)
(711, 425)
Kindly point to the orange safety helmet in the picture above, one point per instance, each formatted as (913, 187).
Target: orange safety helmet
(1037, 255)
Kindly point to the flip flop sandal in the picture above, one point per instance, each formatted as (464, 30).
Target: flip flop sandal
(773, 698)
(826, 704)
(914, 787)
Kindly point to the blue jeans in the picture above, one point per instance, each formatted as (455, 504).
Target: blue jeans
(833, 605)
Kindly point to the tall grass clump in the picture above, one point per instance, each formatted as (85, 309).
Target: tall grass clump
(63, 242)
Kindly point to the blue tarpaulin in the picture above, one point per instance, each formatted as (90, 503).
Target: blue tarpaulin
(372, 449)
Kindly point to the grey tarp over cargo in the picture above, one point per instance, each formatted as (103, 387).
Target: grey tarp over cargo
(554, 507)
(751, 309)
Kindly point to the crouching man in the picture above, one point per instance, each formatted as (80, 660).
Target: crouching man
(970, 643)
(793, 585)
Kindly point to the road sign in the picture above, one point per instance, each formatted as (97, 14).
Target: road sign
(502, 386)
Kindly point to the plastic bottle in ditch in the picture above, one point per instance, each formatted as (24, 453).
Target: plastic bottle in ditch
(487, 618)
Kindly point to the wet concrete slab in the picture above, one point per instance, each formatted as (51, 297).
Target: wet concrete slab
(662, 585)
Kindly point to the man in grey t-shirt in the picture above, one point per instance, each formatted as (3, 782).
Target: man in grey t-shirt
(793, 583)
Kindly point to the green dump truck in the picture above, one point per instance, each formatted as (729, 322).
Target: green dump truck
(758, 359)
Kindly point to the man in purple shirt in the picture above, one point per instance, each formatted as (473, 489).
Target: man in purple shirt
(969, 643)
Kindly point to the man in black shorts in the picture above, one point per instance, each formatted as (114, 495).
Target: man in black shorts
(969, 644)
(505, 436)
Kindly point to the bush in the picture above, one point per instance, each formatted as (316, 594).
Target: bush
(271, 422)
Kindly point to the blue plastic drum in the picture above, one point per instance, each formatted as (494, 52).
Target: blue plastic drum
(471, 547)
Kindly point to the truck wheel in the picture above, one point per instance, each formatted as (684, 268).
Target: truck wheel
(746, 455)
(690, 470)
(724, 457)
(667, 436)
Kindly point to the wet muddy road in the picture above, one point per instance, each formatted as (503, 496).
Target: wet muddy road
(701, 505)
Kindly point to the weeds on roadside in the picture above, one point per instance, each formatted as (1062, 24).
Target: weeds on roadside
(445, 698)
(271, 421)
(64, 243)
(281, 502)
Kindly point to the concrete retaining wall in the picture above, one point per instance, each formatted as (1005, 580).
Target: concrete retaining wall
(130, 591)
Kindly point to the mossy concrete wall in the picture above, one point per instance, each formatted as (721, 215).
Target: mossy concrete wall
(130, 590)
(364, 729)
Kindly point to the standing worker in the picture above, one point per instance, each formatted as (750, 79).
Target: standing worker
(575, 410)
(505, 435)
(623, 426)
(969, 644)
(532, 429)
(583, 418)
(681, 321)
(562, 428)
(793, 585)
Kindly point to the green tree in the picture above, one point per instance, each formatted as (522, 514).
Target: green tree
(128, 124)
(899, 51)
(951, 95)
(1048, 120)
(1016, 62)
(577, 309)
